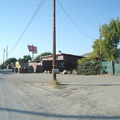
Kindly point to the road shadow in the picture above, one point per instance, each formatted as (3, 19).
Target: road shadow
(43, 114)
(90, 84)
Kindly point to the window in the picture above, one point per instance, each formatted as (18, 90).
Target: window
(62, 65)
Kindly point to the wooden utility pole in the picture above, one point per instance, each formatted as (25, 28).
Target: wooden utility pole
(54, 41)
(100, 41)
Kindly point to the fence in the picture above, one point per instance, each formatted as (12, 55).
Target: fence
(111, 67)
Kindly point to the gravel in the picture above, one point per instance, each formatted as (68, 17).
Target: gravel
(29, 97)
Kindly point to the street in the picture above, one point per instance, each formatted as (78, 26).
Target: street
(29, 97)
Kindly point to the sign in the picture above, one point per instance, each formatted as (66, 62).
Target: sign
(32, 49)
(55, 71)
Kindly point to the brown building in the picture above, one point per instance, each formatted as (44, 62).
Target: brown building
(63, 62)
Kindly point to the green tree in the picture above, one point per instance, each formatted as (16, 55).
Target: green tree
(43, 54)
(106, 46)
(111, 38)
(2, 66)
(97, 49)
(25, 58)
(10, 61)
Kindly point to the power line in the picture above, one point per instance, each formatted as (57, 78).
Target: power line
(74, 22)
(29, 23)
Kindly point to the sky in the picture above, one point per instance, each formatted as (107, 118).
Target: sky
(77, 25)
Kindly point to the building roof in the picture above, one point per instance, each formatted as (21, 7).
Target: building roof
(62, 54)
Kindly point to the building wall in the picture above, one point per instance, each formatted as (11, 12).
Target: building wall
(61, 65)
(71, 61)
(35, 67)
(58, 57)
(46, 58)
(47, 65)
(63, 62)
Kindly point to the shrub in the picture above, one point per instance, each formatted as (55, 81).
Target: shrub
(89, 68)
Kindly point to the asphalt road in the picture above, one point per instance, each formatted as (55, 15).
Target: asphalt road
(29, 97)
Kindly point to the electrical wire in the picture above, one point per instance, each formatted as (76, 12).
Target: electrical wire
(29, 23)
(74, 22)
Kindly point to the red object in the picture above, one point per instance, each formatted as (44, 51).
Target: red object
(32, 48)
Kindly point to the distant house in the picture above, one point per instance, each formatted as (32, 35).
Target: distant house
(86, 54)
(63, 61)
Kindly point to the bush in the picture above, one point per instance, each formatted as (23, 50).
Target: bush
(89, 68)
(2, 66)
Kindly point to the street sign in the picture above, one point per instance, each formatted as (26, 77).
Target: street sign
(55, 71)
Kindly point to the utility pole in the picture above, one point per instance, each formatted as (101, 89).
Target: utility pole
(6, 52)
(100, 41)
(3, 55)
(32, 53)
(54, 41)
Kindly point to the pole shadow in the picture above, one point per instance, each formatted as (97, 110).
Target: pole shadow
(43, 114)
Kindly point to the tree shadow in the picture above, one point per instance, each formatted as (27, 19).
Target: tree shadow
(43, 114)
